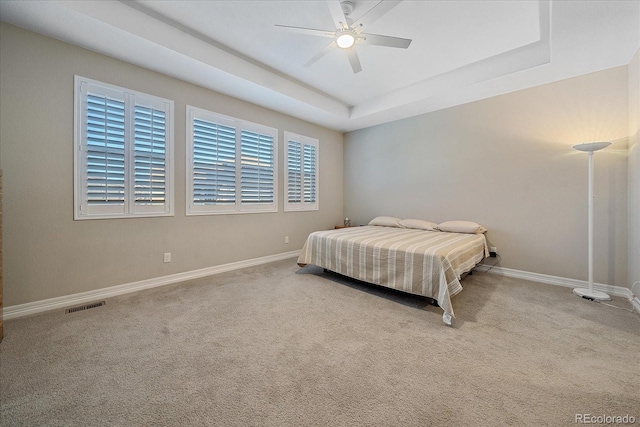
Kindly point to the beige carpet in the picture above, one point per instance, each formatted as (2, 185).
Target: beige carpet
(276, 345)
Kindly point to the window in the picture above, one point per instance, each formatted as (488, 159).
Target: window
(302, 172)
(231, 165)
(123, 152)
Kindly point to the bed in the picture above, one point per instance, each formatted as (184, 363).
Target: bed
(419, 260)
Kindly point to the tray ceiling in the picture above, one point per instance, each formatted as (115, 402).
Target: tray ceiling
(461, 50)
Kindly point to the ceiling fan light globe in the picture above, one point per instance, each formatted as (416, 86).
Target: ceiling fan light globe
(345, 40)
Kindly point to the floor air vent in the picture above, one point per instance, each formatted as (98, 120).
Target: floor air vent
(84, 307)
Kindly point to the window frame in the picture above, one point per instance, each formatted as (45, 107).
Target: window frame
(302, 205)
(129, 209)
(239, 125)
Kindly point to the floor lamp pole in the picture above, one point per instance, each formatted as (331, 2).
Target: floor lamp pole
(589, 293)
(590, 189)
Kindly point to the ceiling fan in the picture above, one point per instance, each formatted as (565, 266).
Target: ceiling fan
(348, 33)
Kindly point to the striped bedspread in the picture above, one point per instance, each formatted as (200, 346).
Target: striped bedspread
(427, 263)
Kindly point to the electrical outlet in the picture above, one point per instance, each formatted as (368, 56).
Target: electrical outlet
(167, 257)
(286, 239)
(493, 251)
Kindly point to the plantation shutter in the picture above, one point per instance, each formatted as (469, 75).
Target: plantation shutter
(214, 168)
(302, 173)
(309, 159)
(150, 183)
(104, 154)
(257, 168)
(294, 169)
(232, 165)
(123, 152)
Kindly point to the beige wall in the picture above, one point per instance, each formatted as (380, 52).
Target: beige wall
(507, 163)
(47, 254)
(634, 170)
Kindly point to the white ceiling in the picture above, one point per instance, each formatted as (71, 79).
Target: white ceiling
(461, 51)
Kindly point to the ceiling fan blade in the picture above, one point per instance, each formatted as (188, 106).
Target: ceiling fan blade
(374, 14)
(339, 20)
(354, 60)
(388, 41)
(308, 31)
(322, 53)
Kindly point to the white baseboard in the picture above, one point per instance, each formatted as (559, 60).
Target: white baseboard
(617, 291)
(27, 309)
(22, 310)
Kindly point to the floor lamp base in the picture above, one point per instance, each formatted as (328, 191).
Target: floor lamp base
(593, 295)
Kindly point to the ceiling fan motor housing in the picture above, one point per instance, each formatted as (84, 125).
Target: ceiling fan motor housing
(347, 7)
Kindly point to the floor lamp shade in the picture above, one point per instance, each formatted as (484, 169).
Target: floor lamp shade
(590, 293)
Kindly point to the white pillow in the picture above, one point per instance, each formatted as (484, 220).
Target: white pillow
(419, 224)
(462, 227)
(385, 221)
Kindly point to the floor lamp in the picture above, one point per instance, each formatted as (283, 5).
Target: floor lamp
(589, 293)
